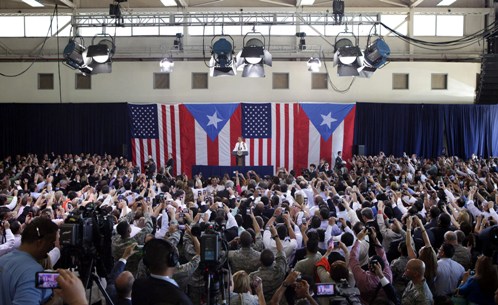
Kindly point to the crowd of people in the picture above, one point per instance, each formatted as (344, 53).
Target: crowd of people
(375, 229)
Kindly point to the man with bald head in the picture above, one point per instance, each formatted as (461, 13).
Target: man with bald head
(462, 254)
(124, 285)
(417, 291)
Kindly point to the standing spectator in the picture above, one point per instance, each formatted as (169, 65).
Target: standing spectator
(241, 294)
(368, 283)
(449, 272)
(479, 289)
(159, 287)
(17, 276)
(273, 268)
(462, 254)
(417, 291)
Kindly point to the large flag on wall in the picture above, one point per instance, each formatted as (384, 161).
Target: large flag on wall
(279, 134)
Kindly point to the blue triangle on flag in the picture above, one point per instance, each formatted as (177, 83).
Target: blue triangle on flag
(326, 117)
(212, 117)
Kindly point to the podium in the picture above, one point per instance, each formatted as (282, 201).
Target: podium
(240, 157)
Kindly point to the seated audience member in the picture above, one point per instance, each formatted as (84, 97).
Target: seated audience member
(417, 291)
(18, 267)
(161, 259)
(480, 288)
(242, 295)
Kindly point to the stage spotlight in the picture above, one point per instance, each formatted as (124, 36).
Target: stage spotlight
(376, 54)
(302, 41)
(338, 11)
(347, 57)
(103, 51)
(314, 64)
(252, 58)
(75, 53)
(167, 65)
(222, 62)
(178, 43)
(374, 57)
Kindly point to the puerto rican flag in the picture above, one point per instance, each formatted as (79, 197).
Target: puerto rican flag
(290, 135)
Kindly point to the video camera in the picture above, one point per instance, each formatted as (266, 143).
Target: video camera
(339, 294)
(85, 239)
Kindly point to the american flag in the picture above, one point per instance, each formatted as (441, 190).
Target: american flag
(290, 135)
(256, 120)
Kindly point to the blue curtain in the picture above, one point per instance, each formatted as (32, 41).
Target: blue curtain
(398, 128)
(64, 128)
(471, 129)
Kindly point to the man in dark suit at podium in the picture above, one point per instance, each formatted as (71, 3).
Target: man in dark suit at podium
(240, 152)
(161, 257)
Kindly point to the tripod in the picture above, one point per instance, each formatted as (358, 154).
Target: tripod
(95, 279)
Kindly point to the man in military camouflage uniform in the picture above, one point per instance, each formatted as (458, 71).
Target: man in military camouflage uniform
(273, 268)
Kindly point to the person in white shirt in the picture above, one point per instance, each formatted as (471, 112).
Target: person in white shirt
(240, 151)
(449, 273)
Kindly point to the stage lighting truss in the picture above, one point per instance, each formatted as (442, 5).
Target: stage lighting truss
(252, 58)
(222, 61)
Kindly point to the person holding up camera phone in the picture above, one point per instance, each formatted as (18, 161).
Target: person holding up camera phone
(367, 281)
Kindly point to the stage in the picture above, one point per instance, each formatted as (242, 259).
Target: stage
(220, 171)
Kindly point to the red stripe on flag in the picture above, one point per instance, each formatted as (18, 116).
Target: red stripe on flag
(326, 149)
(251, 152)
(213, 151)
(187, 144)
(286, 147)
(301, 138)
(235, 131)
(165, 133)
(277, 136)
(260, 151)
(347, 149)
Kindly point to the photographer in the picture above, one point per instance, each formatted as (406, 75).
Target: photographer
(367, 281)
(17, 278)
(8, 238)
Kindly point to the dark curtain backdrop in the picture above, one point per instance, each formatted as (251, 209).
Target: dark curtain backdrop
(398, 128)
(472, 129)
(64, 128)
(423, 129)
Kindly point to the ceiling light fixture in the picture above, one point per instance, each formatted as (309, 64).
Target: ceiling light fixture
(33, 3)
(347, 57)
(446, 2)
(167, 64)
(101, 54)
(302, 41)
(252, 58)
(75, 53)
(338, 11)
(222, 62)
(168, 2)
(305, 2)
(314, 64)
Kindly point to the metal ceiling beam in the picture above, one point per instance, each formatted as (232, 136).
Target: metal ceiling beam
(67, 3)
(416, 3)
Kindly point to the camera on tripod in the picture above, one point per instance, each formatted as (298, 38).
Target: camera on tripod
(85, 239)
